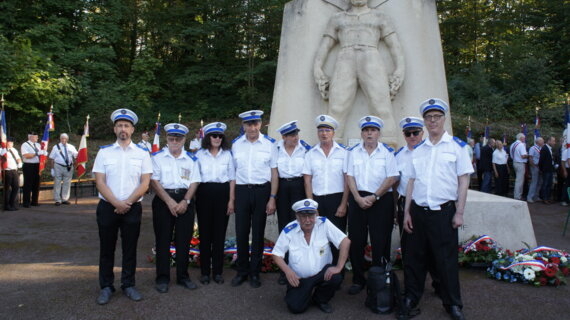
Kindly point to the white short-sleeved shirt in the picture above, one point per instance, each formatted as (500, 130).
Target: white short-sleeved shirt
(145, 145)
(216, 169)
(254, 160)
(175, 173)
(564, 157)
(404, 164)
(291, 166)
(436, 169)
(11, 157)
(122, 168)
(33, 148)
(370, 171)
(534, 152)
(500, 156)
(327, 172)
(517, 150)
(308, 259)
(195, 144)
(67, 150)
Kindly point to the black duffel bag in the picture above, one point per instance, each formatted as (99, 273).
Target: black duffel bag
(383, 289)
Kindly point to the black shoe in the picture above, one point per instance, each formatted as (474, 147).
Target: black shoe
(132, 294)
(254, 282)
(104, 296)
(26, 205)
(409, 310)
(188, 284)
(66, 203)
(282, 279)
(58, 204)
(162, 287)
(456, 313)
(205, 279)
(218, 279)
(325, 307)
(355, 288)
(238, 280)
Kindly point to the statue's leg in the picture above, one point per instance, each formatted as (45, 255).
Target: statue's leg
(373, 80)
(343, 88)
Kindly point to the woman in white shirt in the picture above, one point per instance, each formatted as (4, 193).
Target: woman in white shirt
(214, 201)
(501, 169)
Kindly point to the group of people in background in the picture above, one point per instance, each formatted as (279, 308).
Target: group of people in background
(318, 192)
(536, 169)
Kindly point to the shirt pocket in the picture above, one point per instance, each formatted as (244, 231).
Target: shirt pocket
(135, 167)
(262, 159)
(378, 168)
(336, 163)
(298, 164)
(111, 166)
(419, 165)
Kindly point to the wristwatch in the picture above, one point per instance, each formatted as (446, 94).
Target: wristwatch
(377, 197)
(188, 201)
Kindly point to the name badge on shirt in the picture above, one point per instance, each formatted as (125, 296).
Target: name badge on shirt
(322, 251)
(184, 174)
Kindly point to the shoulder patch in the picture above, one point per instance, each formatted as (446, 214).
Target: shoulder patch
(396, 153)
(290, 227)
(388, 147)
(191, 155)
(107, 146)
(343, 146)
(269, 138)
(237, 138)
(157, 152)
(305, 145)
(459, 142)
(353, 147)
(419, 144)
(141, 147)
(323, 219)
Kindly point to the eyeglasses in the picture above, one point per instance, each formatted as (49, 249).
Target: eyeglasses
(326, 130)
(433, 117)
(216, 136)
(415, 133)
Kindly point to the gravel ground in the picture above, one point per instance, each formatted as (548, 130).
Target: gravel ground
(49, 263)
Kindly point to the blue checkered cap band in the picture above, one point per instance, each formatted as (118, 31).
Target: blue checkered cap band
(124, 114)
(305, 205)
(434, 104)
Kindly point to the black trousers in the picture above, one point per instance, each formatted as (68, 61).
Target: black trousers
(164, 224)
(31, 183)
(299, 298)
(377, 220)
(212, 207)
(434, 235)
(328, 204)
(502, 182)
(250, 204)
(109, 224)
(290, 191)
(11, 187)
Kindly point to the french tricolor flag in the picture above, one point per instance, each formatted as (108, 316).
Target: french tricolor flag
(156, 141)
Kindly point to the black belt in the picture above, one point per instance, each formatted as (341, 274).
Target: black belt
(176, 191)
(292, 179)
(442, 206)
(253, 186)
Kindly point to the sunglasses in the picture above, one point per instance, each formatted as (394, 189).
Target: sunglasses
(216, 135)
(415, 133)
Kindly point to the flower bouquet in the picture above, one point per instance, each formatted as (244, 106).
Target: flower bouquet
(478, 252)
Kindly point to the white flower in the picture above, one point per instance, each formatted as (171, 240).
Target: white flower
(545, 259)
(529, 274)
(563, 259)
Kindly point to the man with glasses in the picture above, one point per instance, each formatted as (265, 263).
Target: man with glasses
(255, 158)
(122, 173)
(325, 175)
(435, 202)
(371, 172)
(310, 274)
(175, 178)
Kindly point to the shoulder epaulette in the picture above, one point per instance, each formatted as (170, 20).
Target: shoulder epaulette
(107, 146)
(388, 147)
(419, 144)
(237, 138)
(396, 153)
(353, 147)
(459, 142)
(191, 155)
(157, 152)
(142, 148)
(305, 145)
(290, 227)
(323, 219)
(269, 138)
(343, 146)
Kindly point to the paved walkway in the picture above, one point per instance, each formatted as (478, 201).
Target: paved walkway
(49, 263)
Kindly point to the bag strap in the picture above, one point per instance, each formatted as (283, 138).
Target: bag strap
(64, 158)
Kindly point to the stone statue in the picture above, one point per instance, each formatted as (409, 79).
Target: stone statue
(358, 31)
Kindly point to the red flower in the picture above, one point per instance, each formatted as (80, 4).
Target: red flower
(550, 272)
(543, 281)
(565, 271)
(555, 260)
(194, 241)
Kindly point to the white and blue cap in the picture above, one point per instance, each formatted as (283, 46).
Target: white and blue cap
(305, 206)
(411, 122)
(371, 122)
(124, 114)
(175, 129)
(289, 127)
(214, 127)
(433, 104)
(251, 115)
(326, 121)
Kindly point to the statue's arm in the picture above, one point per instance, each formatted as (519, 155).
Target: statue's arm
(395, 49)
(322, 80)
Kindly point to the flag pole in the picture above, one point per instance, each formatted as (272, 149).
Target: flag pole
(76, 165)
(179, 117)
